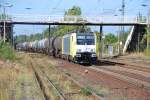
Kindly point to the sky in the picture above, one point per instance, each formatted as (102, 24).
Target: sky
(58, 7)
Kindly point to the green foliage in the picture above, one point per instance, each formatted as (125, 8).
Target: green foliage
(86, 91)
(97, 42)
(75, 10)
(56, 30)
(148, 34)
(6, 52)
(143, 43)
(148, 29)
(110, 39)
(64, 29)
(2, 16)
(23, 38)
(123, 37)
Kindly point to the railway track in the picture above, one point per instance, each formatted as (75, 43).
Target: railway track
(145, 60)
(96, 70)
(139, 76)
(124, 73)
(57, 89)
(116, 81)
(135, 79)
(39, 84)
(39, 72)
(46, 97)
(127, 65)
(123, 61)
(63, 95)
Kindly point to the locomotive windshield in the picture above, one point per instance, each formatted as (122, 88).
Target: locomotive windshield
(85, 40)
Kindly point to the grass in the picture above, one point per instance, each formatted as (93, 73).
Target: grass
(7, 80)
(86, 91)
(102, 92)
(17, 80)
(62, 82)
(147, 52)
(121, 98)
(66, 85)
(6, 51)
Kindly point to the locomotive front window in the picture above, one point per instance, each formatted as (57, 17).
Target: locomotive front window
(80, 40)
(90, 40)
(85, 40)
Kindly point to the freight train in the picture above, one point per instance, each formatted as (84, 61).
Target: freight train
(75, 46)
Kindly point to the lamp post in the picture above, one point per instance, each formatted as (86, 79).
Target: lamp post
(4, 19)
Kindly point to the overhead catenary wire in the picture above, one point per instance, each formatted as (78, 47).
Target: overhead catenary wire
(56, 6)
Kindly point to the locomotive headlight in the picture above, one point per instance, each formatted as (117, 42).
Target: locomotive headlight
(92, 50)
(93, 55)
(78, 50)
(78, 55)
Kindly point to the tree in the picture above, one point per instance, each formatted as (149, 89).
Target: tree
(73, 14)
(123, 37)
(32, 37)
(145, 39)
(57, 30)
(2, 16)
(75, 10)
(148, 34)
(64, 29)
(110, 39)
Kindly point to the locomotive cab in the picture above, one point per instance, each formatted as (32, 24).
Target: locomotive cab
(85, 48)
(79, 47)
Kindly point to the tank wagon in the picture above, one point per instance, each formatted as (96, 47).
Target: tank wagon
(76, 47)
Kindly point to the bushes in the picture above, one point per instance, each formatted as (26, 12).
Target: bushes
(6, 52)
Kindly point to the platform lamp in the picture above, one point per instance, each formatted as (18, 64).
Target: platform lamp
(4, 6)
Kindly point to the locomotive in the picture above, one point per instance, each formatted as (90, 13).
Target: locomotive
(74, 46)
